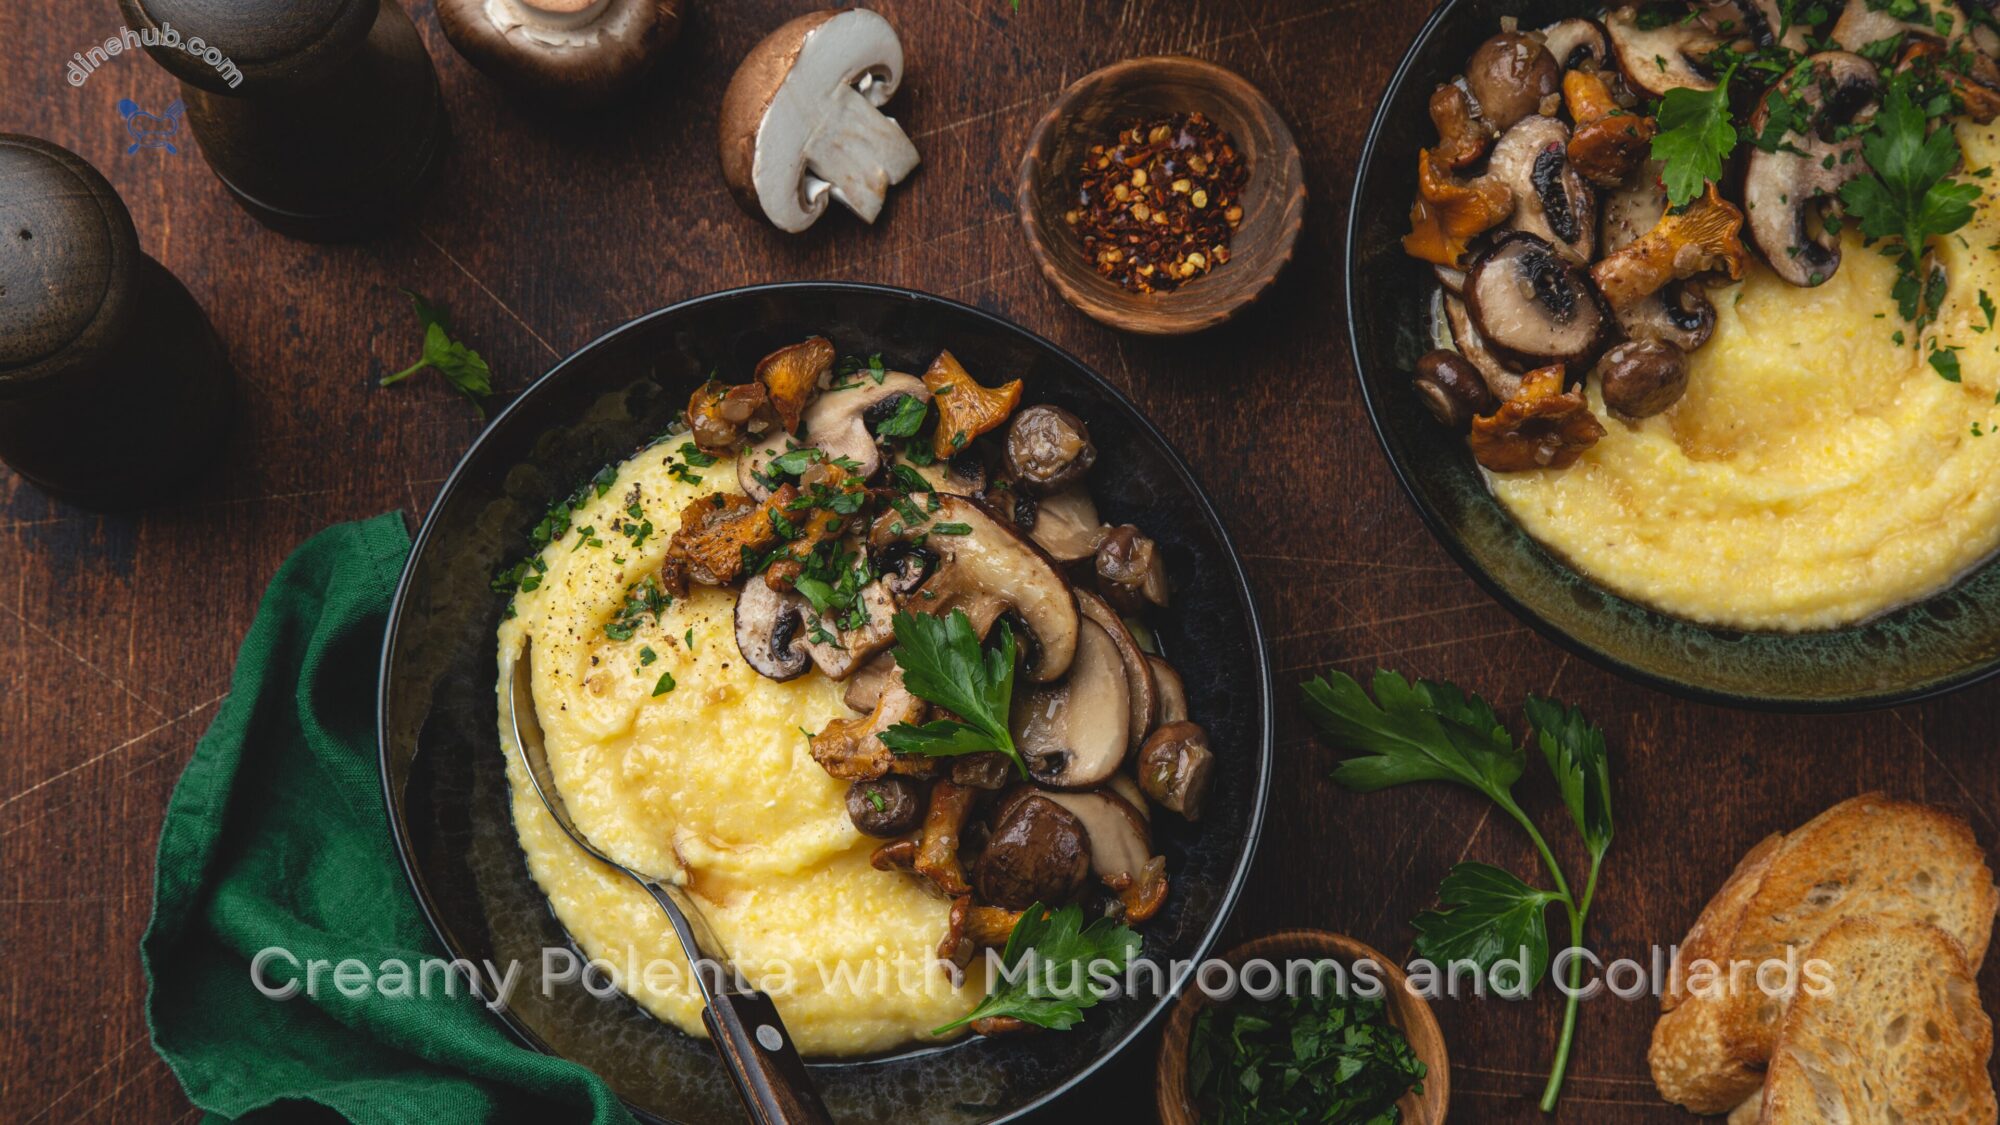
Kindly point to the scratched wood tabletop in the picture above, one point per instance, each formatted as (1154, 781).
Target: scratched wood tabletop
(117, 632)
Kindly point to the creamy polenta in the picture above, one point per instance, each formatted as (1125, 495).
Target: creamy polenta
(1819, 469)
(675, 757)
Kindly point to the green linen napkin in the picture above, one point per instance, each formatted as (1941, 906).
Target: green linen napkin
(277, 836)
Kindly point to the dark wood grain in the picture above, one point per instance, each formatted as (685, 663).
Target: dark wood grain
(117, 632)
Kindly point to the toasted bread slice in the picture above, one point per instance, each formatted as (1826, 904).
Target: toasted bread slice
(1749, 1112)
(1867, 857)
(1899, 1038)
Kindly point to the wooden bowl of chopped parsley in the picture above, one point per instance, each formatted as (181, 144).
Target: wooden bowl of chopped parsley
(1348, 1054)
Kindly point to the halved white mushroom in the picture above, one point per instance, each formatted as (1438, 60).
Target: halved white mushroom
(1655, 59)
(1073, 734)
(986, 569)
(1552, 200)
(836, 423)
(801, 121)
(573, 53)
(1143, 697)
(1067, 525)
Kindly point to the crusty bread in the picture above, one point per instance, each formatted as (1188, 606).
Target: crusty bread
(1867, 857)
(1899, 1039)
(1749, 1112)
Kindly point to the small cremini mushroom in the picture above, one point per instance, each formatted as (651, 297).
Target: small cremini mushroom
(1641, 378)
(1533, 305)
(1679, 314)
(1067, 525)
(1048, 449)
(1036, 851)
(987, 570)
(1786, 191)
(1130, 571)
(1545, 427)
(1510, 76)
(1703, 238)
(571, 53)
(1656, 58)
(1609, 142)
(1173, 706)
(1074, 733)
(836, 423)
(1450, 212)
(1452, 389)
(1462, 136)
(1174, 767)
(1551, 198)
(801, 122)
(885, 807)
(966, 407)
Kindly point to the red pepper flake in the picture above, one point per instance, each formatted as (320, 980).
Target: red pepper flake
(1156, 208)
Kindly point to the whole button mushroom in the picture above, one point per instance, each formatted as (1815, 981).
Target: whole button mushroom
(1640, 378)
(1510, 76)
(573, 53)
(1048, 448)
(801, 120)
(885, 806)
(1452, 389)
(1037, 852)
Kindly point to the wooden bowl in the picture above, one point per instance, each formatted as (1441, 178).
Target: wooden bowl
(1408, 1013)
(1091, 111)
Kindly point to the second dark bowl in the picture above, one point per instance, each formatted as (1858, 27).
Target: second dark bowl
(1942, 643)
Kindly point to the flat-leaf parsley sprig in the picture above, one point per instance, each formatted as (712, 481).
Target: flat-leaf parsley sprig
(944, 664)
(1426, 731)
(462, 367)
(1065, 961)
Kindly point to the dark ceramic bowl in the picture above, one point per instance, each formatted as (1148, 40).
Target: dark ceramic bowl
(1940, 644)
(443, 769)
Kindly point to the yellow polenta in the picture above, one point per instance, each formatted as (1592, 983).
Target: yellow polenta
(1817, 471)
(714, 779)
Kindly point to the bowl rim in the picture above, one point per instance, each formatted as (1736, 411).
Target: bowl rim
(1169, 1082)
(1453, 546)
(1117, 310)
(1265, 727)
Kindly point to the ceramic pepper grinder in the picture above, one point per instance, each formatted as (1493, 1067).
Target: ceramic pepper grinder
(322, 117)
(567, 53)
(112, 385)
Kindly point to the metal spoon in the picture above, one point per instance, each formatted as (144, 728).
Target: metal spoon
(743, 1024)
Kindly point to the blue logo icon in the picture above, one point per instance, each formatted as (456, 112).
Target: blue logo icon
(151, 130)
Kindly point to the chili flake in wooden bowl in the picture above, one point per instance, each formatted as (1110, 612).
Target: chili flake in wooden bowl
(1156, 208)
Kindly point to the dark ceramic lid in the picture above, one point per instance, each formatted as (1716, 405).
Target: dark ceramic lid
(269, 41)
(67, 252)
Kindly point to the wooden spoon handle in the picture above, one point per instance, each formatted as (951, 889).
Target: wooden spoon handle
(762, 1061)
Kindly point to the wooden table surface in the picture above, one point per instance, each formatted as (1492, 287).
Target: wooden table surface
(117, 632)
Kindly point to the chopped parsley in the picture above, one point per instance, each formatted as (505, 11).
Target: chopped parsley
(665, 684)
(1907, 197)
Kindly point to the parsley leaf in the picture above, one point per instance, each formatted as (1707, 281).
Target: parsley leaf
(462, 367)
(1490, 916)
(1329, 1056)
(943, 664)
(1696, 135)
(1945, 362)
(907, 420)
(1906, 194)
(1576, 755)
(1413, 732)
(665, 685)
(1053, 968)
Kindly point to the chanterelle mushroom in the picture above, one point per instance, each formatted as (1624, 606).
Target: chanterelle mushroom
(801, 121)
(1448, 211)
(1546, 427)
(1703, 238)
(572, 52)
(1785, 190)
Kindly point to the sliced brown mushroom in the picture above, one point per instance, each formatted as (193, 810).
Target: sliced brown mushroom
(1067, 526)
(770, 633)
(1679, 314)
(1453, 280)
(1641, 378)
(1452, 389)
(864, 688)
(1787, 191)
(1762, 23)
(1073, 734)
(1130, 571)
(841, 651)
(1862, 24)
(1141, 694)
(1501, 377)
(1632, 209)
(1036, 851)
(573, 53)
(1510, 76)
(1048, 449)
(1551, 198)
(801, 121)
(1656, 58)
(1123, 785)
(1577, 44)
(1534, 306)
(836, 423)
(985, 571)
(1174, 768)
(959, 476)
(1172, 689)
(885, 806)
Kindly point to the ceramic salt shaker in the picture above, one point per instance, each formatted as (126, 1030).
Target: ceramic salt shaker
(113, 387)
(322, 117)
